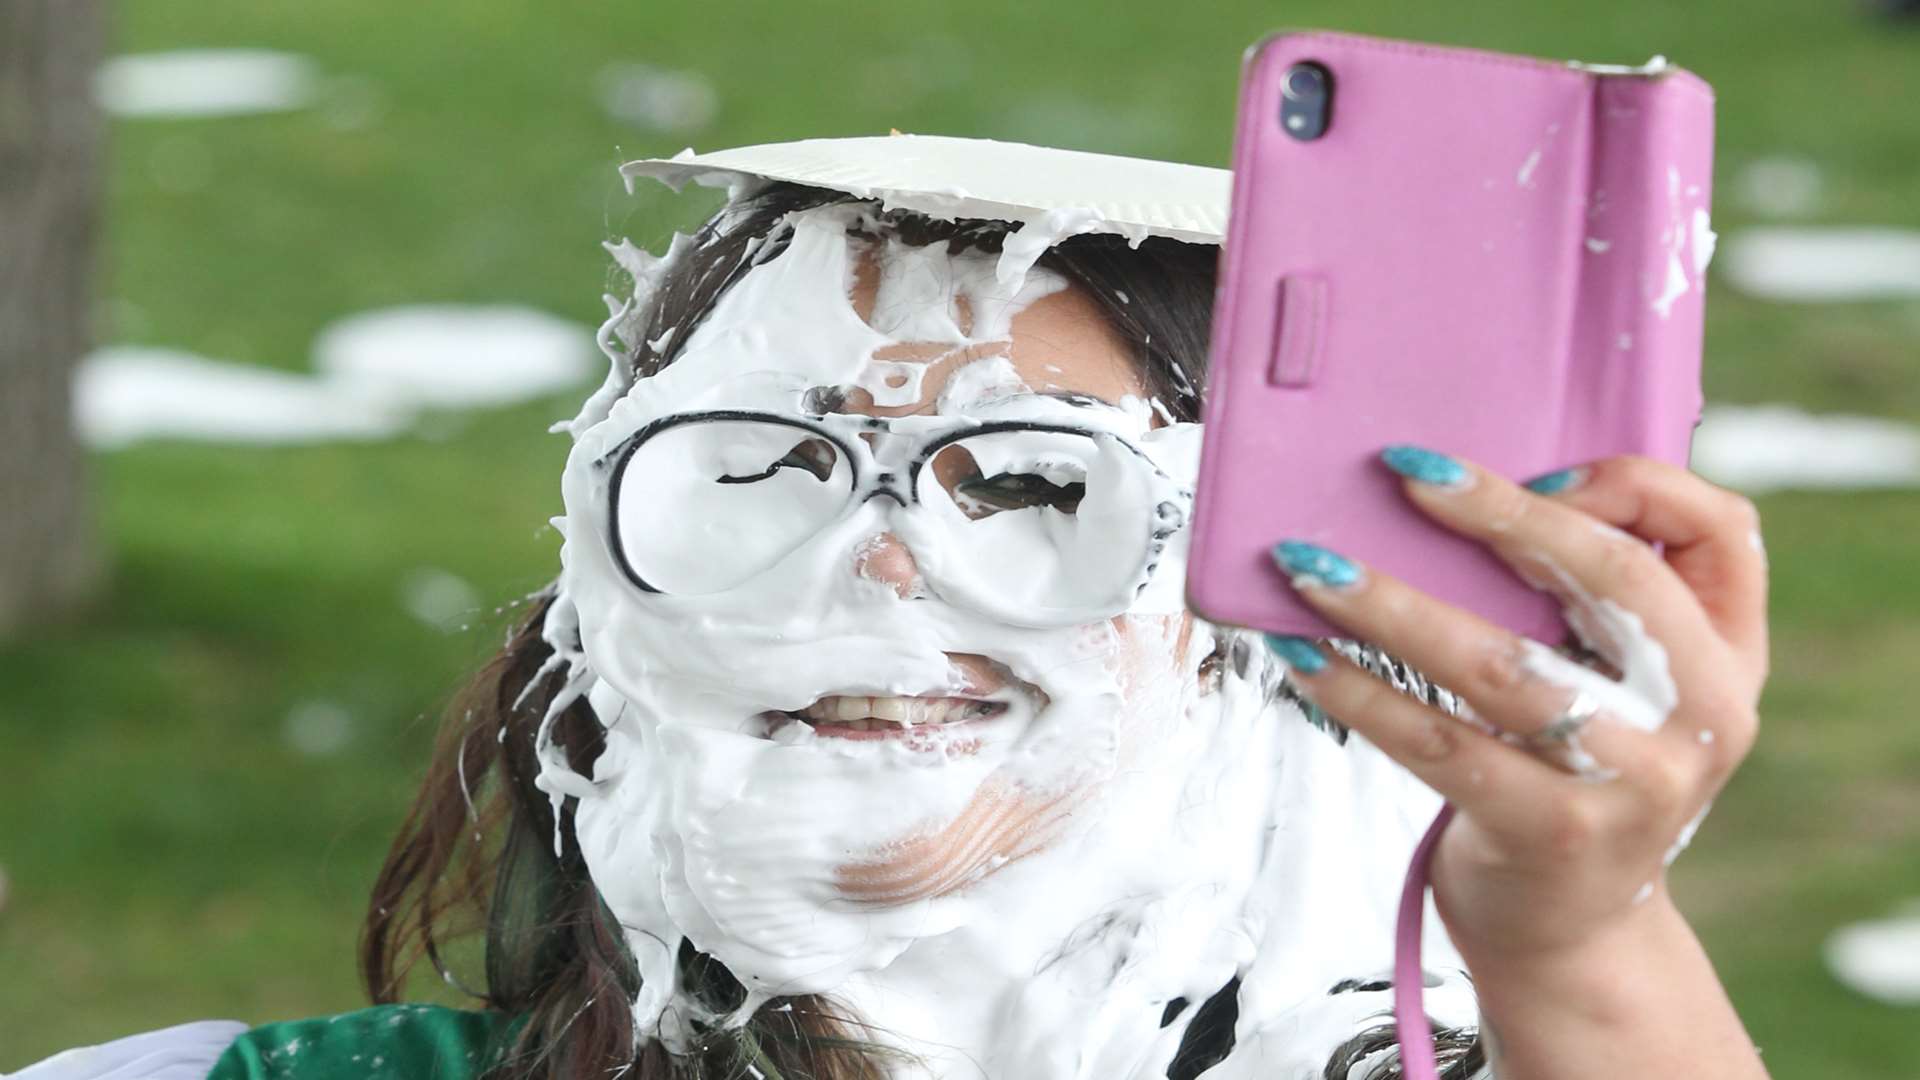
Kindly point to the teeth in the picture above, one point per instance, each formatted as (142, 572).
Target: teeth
(878, 713)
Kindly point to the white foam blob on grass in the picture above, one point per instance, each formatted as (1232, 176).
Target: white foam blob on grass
(1880, 959)
(128, 393)
(455, 356)
(1779, 186)
(318, 728)
(187, 83)
(377, 372)
(1824, 264)
(1761, 448)
(657, 99)
(439, 598)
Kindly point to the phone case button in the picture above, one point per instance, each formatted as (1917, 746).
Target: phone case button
(1299, 312)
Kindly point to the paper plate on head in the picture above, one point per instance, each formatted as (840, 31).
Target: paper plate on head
(948, 178)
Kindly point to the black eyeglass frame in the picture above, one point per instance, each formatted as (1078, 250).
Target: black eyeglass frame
(1169, 515)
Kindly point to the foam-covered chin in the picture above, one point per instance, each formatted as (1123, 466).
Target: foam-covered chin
(741, 842)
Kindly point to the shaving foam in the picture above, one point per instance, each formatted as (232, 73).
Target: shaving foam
(1120, 836)
(1644, 696)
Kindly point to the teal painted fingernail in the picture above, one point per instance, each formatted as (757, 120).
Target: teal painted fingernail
(1301, 559)
(1426, 466)
(1554, 483)
(1298, 652)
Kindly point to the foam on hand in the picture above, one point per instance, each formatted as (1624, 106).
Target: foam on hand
(1644, 696)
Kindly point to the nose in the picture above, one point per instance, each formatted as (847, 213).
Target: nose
(885, 559)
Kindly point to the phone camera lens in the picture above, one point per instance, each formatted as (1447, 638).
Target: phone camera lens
(1304, 82)
(1306, 100)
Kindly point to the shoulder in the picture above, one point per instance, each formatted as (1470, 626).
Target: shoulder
(428, 1042)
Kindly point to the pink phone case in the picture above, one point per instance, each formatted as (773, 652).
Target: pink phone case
(1491, 256)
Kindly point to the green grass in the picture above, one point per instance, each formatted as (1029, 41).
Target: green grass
(170, 858)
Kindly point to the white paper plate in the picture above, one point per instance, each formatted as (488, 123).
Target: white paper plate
(949, 178)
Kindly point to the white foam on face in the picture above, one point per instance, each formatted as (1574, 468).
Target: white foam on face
(1880, 958)
(1024, 248)
(929, 298)
(1763, 448)
(1824, 264)
(980, 382)
(1138, 835)
(916, 298)
(204, 82)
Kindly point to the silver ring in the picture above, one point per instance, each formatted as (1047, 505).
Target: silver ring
(1582, 709)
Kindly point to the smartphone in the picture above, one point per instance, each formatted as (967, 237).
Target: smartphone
(1492, 256)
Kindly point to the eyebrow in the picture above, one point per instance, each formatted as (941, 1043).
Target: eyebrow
(1076, 398)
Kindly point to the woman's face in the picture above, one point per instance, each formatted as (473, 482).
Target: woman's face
(871, 699)
(1057, 343)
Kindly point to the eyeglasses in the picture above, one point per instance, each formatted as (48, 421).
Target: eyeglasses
(1035, 524)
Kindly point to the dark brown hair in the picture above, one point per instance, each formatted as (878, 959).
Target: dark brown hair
(476, 854)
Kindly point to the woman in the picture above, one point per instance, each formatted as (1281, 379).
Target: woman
(865, 733)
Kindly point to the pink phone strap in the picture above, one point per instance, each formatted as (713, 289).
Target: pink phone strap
(1409, 980)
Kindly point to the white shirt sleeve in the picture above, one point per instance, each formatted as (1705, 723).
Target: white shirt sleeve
(185, 1052)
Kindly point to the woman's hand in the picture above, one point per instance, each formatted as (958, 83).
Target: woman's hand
(1550, 876)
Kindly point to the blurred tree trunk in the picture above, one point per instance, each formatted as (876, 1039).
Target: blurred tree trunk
(50, 136)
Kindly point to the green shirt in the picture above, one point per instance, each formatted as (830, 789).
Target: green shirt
(386, 1042)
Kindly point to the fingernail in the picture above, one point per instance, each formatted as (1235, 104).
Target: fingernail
(1298, 652)
(1426, 466)
(1315, 563)
(1554, 483)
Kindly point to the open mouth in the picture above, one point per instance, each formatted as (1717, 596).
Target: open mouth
(860, 717)
(983, 700)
